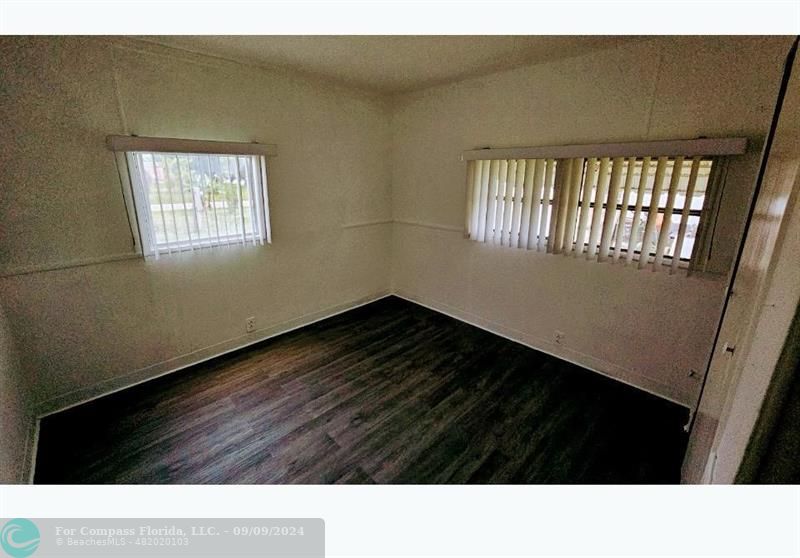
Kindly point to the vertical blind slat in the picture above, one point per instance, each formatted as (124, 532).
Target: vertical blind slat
(539, 209)
(519, 194)
(576, 174)
(258, 228)
(552, 214)
(150, 232)
(547, 207)
(526, 219)
(245, 179)
(468, 220)
(704, 236)
(597, 212)
(482, 167)
(252, 169)
(623, 214)
(213, 209)
(183, 200)
(484, 205)
(160, 205)
(476, 199)
(224, 202)
(637, 212)
(588, 185)
(508, 203)
(666, 222)
(502, 182)
(652, 213)
(167, 176)
(560, 202)
(264, 196)
(239, 206)
(687, 205)
(494, 178)
(611, 208)
(241, 201)
(194, 204)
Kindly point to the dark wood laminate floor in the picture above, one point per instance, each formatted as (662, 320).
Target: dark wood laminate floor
(387, 393)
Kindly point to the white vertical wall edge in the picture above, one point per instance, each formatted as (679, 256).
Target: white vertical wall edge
(32, 443)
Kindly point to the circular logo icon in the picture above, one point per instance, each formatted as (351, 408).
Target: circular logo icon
(20, 538)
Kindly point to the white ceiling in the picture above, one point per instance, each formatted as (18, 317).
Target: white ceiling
(391, 64)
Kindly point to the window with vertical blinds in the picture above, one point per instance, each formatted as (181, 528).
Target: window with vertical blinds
(189, 201)
(648, 212)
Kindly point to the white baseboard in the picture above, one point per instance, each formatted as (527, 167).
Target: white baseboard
(608, 369)
(107, 387)
(101, 389)
(176, 364)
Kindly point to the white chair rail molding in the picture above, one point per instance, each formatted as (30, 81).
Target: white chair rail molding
(653, 203)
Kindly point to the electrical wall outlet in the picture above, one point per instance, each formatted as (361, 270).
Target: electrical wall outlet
(558, 337)
(250, 324)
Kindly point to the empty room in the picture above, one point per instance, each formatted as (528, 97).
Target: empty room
(399, 259)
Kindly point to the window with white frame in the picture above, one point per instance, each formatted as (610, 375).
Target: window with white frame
(189, 200)
(648, 209)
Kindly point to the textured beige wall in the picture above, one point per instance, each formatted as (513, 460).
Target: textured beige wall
(642, 327)
(81, 329)
(15, 413)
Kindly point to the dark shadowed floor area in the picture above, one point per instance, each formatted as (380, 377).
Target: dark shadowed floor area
(387, 393)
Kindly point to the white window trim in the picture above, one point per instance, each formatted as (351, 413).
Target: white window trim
(177, 145)
(125, 146)
(707, 147)
(716, 149)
